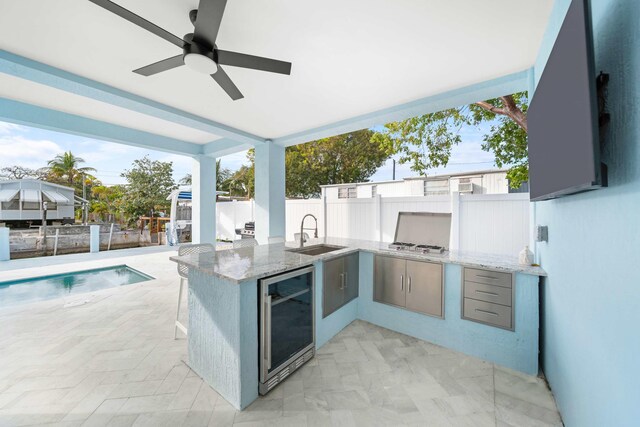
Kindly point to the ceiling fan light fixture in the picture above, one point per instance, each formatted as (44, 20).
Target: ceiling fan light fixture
(200, 63)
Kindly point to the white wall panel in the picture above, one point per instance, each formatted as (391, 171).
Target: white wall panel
(497, 224)
(232, 215)
(297, 209)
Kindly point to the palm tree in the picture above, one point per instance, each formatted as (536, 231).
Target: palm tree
(185, 180)
(222, 177)
(66, 166)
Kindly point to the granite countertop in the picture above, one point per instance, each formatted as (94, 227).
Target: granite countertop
(251, 263)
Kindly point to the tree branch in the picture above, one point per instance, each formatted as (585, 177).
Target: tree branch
(510, 110)
(491, 108)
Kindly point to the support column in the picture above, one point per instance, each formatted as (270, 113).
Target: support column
(94, 239)
(5, 253)
(203, 202)
(270, 199)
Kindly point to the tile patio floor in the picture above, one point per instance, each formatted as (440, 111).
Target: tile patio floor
(109, 358)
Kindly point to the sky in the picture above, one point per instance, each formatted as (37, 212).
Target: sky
(33, 147)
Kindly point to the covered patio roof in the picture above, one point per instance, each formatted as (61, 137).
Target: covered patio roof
(68, 65)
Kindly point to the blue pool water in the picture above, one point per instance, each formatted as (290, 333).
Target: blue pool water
(23, 291)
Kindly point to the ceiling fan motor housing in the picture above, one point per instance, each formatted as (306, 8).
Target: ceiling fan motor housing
(198, 57)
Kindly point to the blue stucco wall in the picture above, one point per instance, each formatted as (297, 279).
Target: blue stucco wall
(591, 299)
(516, 350)
(223, 336)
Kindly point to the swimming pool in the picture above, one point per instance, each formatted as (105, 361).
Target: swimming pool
(22, 291)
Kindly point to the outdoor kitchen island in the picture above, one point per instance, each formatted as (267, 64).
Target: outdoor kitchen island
(223, 339)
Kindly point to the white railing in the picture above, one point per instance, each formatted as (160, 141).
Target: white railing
(497, 223)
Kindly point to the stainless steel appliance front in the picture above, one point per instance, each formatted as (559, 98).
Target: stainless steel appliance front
(287, 325)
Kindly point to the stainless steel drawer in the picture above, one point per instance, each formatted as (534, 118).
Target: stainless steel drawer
(488, 277)
(486, 312)
(488, 293)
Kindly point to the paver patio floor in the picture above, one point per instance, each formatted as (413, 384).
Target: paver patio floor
(109, 358)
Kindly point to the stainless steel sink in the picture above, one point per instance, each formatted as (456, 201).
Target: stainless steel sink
(315, 249)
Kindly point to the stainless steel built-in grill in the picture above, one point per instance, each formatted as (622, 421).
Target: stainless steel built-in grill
(248, 232)
(422, 232)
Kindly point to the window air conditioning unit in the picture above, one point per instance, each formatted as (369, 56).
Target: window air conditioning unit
(465, 187)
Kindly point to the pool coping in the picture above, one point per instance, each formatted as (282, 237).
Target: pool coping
(89, 270)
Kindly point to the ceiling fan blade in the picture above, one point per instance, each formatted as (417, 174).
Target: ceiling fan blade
(208, 21)
(242, 60)
(226, 84)
(160, 66)
(139, 21)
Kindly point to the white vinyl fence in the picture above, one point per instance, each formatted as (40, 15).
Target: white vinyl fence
(496, 224)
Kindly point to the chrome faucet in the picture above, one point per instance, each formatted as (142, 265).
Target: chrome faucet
(315, 234)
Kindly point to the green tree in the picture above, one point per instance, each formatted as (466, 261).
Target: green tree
(241, 182)
(149, 183)
(66, 168)
(107, 201)
(426, 141)
(351, 157)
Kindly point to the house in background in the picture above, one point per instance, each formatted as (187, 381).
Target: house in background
(477, 182)
(21, 202)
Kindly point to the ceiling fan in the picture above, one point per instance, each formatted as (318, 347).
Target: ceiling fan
(199, 50)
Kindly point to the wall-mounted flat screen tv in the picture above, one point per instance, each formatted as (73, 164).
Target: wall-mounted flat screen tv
(563, 131)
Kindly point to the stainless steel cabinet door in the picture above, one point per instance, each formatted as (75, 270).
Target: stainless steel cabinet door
(351, 278)
(333, 286)
(389, 280)
(424, 287)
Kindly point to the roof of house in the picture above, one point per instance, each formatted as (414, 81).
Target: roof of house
(35, 180)
(421, 178)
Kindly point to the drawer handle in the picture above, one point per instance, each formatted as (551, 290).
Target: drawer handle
(493, 294)
(487, 312)
(488, 277)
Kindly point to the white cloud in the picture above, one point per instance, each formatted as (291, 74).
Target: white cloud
(96, 153)
(7, 128)
(235, 160)
(21, 151)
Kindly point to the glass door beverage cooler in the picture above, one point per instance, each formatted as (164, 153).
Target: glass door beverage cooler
(287, 327)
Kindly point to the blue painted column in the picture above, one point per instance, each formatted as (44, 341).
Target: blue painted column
(94, 239)
(269, 185)
(4, 244)
(203, 191)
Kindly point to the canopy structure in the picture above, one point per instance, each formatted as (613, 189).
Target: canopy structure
(56, 197)
(394, 60)
(32, 196)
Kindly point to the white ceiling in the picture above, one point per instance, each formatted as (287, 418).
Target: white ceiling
(48, 97)
(350, 57)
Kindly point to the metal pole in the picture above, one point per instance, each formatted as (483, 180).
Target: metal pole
(110, 235)
(55, 242)
(85, 216)
(44, 227)
(394, 169)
